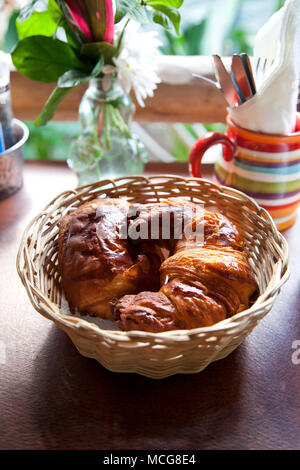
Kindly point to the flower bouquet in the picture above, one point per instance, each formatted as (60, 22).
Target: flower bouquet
(101, 42)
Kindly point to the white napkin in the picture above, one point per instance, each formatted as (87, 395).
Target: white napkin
(273, 109)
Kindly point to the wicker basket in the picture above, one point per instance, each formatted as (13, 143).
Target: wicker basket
(154, 355)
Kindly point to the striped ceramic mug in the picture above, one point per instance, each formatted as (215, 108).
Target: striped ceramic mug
(264, 166)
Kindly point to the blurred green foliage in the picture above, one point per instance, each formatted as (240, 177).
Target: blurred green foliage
(219, 26)
(207, 27)
(51, 141)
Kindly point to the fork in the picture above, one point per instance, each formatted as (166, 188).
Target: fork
(262, 65)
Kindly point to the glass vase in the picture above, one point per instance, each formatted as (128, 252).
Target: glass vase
(106, 146)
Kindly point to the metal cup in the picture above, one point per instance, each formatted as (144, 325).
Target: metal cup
(11, 161)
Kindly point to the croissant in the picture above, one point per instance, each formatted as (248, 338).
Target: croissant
(95, 269)
(159, 282)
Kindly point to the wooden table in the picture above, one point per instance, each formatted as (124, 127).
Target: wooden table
(53, 398)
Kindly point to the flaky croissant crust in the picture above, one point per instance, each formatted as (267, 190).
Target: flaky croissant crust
(155, 284)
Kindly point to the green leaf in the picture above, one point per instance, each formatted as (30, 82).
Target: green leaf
(72, 78)
(54, 11)
(98, 67)
(49, 109)
(60, 20)
(124, 7)
(168, 3)
(94, 49)
(44, 59)
(28, 10)
(139, 13)
(39, 23)
(167, 17)
(45, 23)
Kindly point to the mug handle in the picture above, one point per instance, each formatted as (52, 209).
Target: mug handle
(203, 144)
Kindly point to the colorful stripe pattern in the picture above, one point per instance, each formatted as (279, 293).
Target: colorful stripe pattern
(267, 168)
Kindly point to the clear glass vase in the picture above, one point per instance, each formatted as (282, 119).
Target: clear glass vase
(106, 147)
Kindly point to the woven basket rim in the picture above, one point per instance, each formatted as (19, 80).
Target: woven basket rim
(52, 311)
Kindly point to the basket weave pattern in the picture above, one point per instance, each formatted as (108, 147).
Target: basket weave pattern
(155, 355)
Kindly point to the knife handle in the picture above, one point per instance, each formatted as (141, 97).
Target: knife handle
(225, 80)
(248, 69)
(240, 75)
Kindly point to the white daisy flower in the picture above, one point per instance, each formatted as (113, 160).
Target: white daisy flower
(137, 61)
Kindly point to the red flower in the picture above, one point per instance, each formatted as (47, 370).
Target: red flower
(94, 18)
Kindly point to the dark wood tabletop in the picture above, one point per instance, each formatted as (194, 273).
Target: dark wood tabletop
(53, 398)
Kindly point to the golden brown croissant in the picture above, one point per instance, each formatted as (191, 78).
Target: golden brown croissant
(132, 280)
(95, 269)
